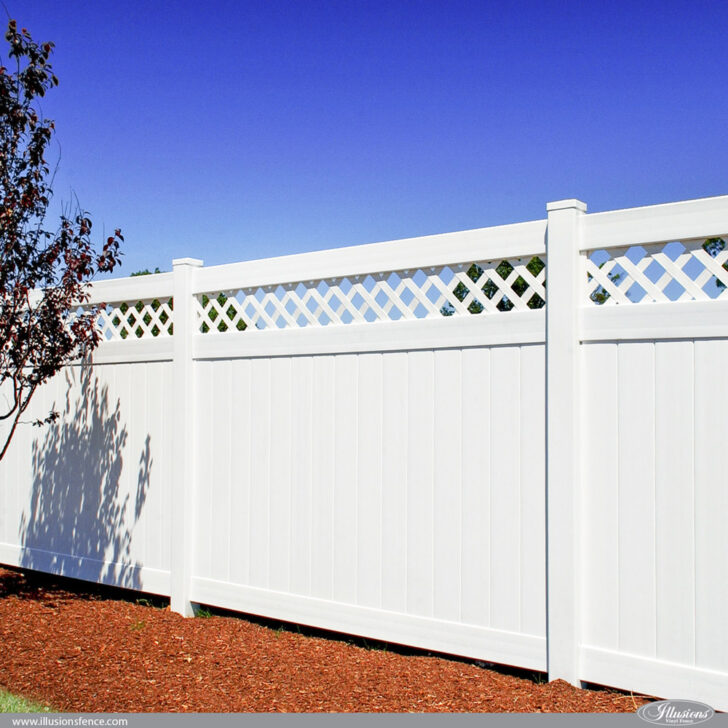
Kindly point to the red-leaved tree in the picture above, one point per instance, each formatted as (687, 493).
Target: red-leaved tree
(44, 275)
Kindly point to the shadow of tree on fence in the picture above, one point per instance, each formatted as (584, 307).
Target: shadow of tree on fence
(78, 522)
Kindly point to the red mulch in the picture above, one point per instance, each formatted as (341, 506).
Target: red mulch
(85, 649)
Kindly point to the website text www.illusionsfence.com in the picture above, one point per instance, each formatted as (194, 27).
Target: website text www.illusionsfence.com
(49, 720)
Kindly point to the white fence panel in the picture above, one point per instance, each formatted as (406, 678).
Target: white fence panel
(368, 495)
(655, 505)
(88, 497)
(653, 487)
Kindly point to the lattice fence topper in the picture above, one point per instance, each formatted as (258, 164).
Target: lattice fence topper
(695, 270)
(140, 319)
(516, 284)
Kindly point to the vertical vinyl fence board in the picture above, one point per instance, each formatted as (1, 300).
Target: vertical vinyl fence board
(165, 454)
(369, 481)
(153, 513)
(476, 485)
(346, 406)
(220, 483)
(301, 481)
(394, 482)
(532, 491)
(637, 514)
(674, 501)
(242, 422)
(447, 485)
(505, 495)
(600, 526)
(279, 514)
(711, 505)
(420, 505)
(204, 504)
(259, 472)
(323, 461)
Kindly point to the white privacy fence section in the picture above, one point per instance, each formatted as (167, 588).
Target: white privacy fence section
(655, 503)
(501, 443)
(89, 497)
(350, 489)
(351, 485)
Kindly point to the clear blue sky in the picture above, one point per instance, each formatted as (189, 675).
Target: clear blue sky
(236, 130)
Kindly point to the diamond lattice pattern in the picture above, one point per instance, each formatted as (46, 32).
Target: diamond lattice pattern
(140, 319)
(678, 271)
(453, 290)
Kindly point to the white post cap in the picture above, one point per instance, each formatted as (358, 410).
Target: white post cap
(571, 204)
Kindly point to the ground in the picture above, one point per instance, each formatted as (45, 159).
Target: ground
(87, 649)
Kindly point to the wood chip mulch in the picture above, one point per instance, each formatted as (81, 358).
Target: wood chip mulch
(80, 648)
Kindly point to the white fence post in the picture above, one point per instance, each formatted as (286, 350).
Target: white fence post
(183, 448)
(564, 287)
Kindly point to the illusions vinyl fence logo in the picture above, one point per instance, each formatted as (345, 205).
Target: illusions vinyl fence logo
(675, 712)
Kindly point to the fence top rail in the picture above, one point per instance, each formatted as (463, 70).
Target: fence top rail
(468, 246)
(687, 220)
(132, 289)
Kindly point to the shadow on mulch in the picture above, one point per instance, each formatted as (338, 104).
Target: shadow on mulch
(123, 650)
(277, 625)
(52, 590)
(41, 587)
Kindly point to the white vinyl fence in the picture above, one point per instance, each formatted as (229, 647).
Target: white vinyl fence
(401, 441)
